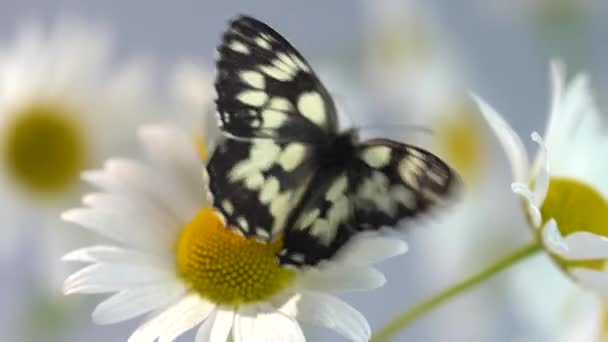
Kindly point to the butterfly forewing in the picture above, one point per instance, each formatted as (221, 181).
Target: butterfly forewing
(272, 102)
(256, 183)
(267, 89)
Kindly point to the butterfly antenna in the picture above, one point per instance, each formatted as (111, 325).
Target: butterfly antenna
(257, 137)
(402, 127)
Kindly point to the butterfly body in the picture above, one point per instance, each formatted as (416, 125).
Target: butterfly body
(284, 169)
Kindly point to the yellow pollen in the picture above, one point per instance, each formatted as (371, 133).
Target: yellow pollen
(201, 147)
(44, 148)
(225, 267)
(576, 207)
(460, 136)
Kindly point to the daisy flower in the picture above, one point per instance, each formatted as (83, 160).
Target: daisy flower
(416, 72)
(564, 190)
(192, 94)
(177, 259)
(63, 106)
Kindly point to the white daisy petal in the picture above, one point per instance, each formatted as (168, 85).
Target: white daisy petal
(217, 327)
(541, 179)
(553, 239)
(510, 141)
(524, 191)
(203, 334)
(175, 152)
(584, 245)
(557, 79)
(333, 313)
(169, 324)
(189, 318)
(365, 250)
(596, 280)
(134, 302)
(340, 277)
(143, 179)
(130, 205)
(117, 255)
(102, 278)
(264, 324)
(142, 233)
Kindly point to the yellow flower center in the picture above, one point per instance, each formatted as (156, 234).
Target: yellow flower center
(44, 148)
(399, 45)
(576, 206)
(460, 138)
(225, 267)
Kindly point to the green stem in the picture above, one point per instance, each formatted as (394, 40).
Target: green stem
(408, 317)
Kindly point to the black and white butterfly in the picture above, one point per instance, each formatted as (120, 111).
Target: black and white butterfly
(284, 170)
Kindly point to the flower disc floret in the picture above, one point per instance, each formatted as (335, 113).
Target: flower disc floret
(224, 266)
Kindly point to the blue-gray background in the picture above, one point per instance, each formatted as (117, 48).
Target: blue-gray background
(505, 51)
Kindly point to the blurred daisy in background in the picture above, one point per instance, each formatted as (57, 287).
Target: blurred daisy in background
(564, 190)
(177, 259)
(65, 103)
(560, 27)
(415, 72)
(193, 97)
(63, 106)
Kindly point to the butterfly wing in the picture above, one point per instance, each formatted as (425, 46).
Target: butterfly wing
(274, 110)
(256, 183)
(397, 181)
(267, 89)
(386, 182)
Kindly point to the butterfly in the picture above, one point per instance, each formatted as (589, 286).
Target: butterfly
(284, 170)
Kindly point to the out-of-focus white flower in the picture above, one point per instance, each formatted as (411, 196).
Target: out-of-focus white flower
(415, 71)
(193, 94)
(178, 259)
(565, 189)
(64, 104)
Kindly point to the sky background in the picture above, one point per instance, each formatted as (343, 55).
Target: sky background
(504, 52)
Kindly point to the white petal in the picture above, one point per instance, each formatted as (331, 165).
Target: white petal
(542, 171)
(333, 313)
(338, 277)
(510, 141)
(185, 314)
(174, 151)
(129, 177)
(553, 239)
(131, 303)
(595, 280)
(217, 327)
(367, 250)
(585, 246)
(103, 278)
(524, 191)
(131, 205)
(265, 324)
(557, 79)
(134, 231)
(117, 255)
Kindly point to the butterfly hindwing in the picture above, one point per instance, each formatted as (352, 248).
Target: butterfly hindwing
(386, 183)
(397, 181)
(320, 221)
(267, 89)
